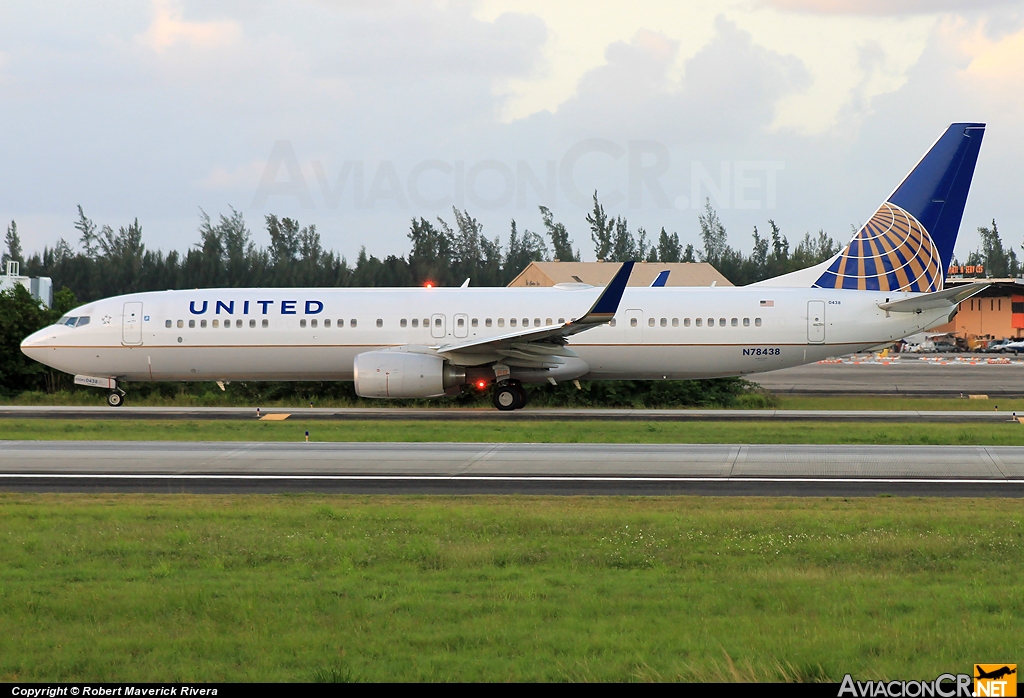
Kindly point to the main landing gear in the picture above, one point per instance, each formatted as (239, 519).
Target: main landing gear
(115, 398)
(509, 396)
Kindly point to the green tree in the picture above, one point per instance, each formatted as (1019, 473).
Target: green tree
(669, 249)
(561, 245)
(13, 244)
(602, 230)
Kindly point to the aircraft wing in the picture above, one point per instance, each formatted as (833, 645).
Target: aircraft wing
(531, 346)
(939, 299)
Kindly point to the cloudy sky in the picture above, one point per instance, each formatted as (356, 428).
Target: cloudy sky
(359, 116)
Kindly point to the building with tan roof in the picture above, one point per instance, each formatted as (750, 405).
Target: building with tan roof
(600, 273)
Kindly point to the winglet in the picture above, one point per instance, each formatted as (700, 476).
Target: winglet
(604, 308)
(661, 280)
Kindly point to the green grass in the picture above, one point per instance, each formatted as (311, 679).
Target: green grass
(757, 432)
(340, 588)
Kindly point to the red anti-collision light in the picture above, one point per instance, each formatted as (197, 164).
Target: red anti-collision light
(481, 384)
(429, 284)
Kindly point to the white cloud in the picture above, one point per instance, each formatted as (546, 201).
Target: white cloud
(169, 28)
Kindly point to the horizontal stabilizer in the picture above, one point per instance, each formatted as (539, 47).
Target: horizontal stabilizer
(932, 301)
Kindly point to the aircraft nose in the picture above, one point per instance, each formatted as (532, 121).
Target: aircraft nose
(35, 345)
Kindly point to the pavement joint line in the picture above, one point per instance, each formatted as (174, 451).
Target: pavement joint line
(997, 462)
(524, 478)
(740, 455)
(478, 457)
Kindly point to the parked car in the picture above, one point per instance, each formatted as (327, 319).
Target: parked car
(995, 346)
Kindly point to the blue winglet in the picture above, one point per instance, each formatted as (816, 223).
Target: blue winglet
(661, 280)
(606, 305)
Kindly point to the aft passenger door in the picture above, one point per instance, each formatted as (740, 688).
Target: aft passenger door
(131, 325)
(437, 326)
(816, 322)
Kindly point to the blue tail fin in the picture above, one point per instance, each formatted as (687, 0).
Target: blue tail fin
(661, 280)
(908, 244)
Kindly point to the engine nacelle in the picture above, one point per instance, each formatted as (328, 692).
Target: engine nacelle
(399, 374)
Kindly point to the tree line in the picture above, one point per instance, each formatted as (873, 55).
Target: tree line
(102, 261)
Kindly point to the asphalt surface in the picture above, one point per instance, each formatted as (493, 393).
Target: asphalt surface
(945, 375)
(464, 468)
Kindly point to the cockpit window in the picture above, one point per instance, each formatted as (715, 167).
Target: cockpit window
(84, 320)
(74, 321)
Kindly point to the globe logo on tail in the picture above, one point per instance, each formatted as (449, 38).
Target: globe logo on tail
(892, 252)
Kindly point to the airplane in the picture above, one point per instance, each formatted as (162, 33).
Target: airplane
(886, 284)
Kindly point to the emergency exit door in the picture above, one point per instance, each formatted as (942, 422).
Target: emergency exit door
(816, 322)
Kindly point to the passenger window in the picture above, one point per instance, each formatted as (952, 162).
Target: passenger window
(536, 322)
(561, 321)
(475, 323)
(252, 323)
(487, 322)
(721, 322)
(501, 322)
(675, 322)
(352, 322)
(711, 322)
(526, 322)
(266, 323)
(746, 322)
(238, 323)
(341, 323)
(302, 322)
(426, 322)
(167, 323)
(312, 323)
(734, 322)
(650, 322)
(180, 324)
(327, 323)
(415, 322)
(216, 323)
(191, 324)
(512, 322)
(461, 322)
(227, 324)
(686, 322)
(632, 322)
(697, 322)
(757, 322)
(402, 322)
(202, 323)
(437, 322)
(380, 322)
(547, 321)
(664, 322)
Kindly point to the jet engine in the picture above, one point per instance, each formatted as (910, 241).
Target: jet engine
(399, 374)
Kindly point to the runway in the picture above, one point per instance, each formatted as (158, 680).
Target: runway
(503, 468)
(910, 375)
(990, 415)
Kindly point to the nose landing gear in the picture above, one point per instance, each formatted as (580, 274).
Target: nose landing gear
(115, 398)
(509, 396)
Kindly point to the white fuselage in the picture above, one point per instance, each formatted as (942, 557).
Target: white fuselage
(269, 334)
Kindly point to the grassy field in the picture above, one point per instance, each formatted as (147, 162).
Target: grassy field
(895, 402)
(759, 432)
(312, 588)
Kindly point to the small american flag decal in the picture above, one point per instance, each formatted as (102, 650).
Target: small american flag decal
(767, 304)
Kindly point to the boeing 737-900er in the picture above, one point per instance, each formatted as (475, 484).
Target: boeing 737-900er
(888, 283)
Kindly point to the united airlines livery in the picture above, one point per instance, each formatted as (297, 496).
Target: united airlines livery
(886, 284)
